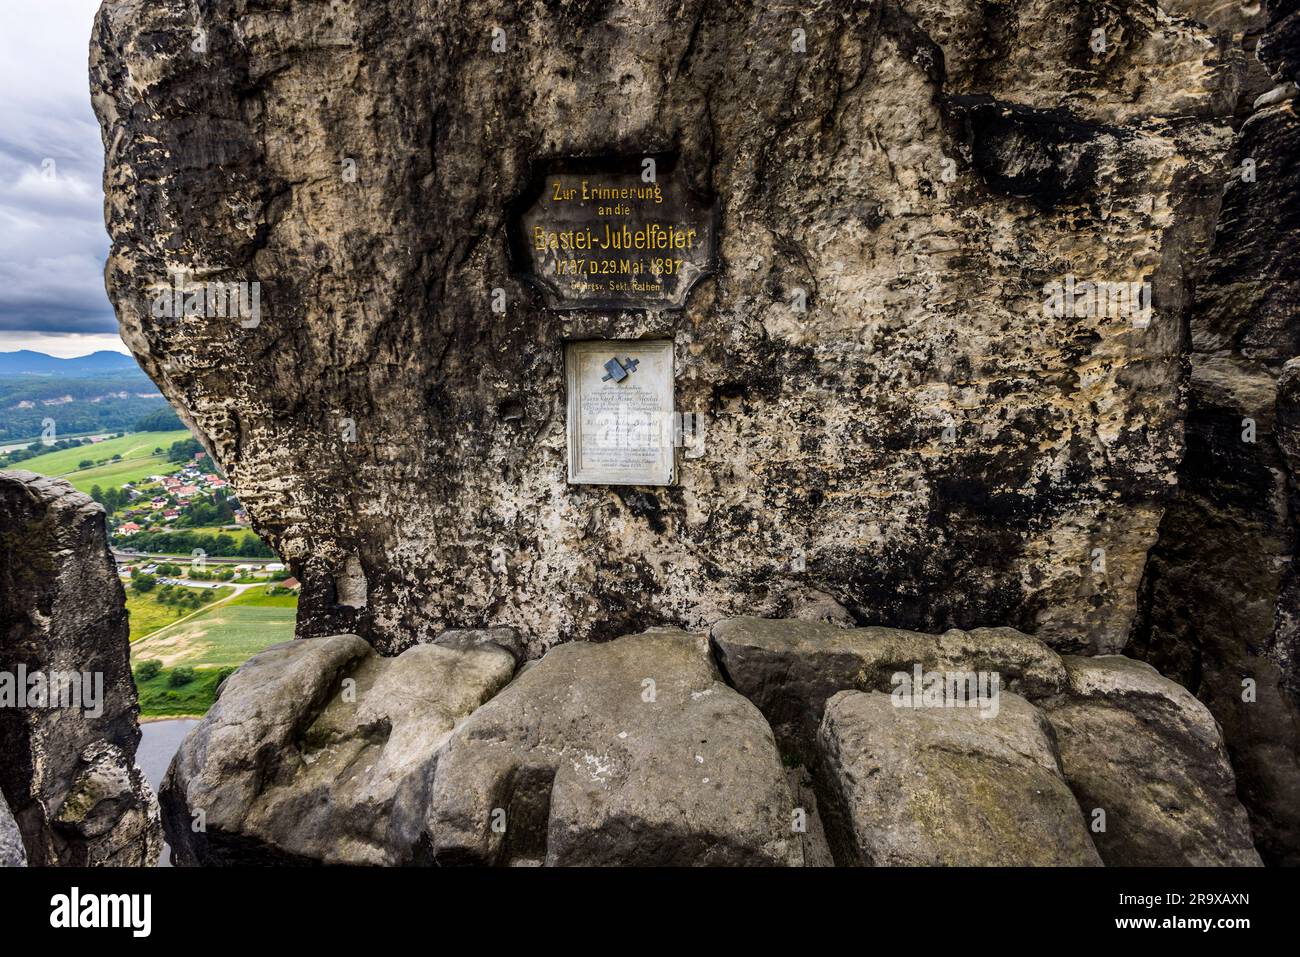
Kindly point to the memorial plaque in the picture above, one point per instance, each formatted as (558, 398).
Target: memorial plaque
(620, 423)
(601, 234)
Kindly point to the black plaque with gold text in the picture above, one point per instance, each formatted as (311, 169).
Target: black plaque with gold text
(619, 233)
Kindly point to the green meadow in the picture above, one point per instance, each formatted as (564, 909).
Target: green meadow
(138, 460)
(213, 642)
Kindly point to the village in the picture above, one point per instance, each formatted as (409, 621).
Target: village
(190, 511)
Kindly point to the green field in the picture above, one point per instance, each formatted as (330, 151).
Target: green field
(148, 614)
(213, 642)
(159, 699)
(228, 634)
(237, 534)
(138, 460)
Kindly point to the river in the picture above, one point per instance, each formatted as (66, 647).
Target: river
(158, 743)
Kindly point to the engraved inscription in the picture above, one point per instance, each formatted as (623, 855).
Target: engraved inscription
(599, 235)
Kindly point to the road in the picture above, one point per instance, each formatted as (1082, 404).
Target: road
(121, 557)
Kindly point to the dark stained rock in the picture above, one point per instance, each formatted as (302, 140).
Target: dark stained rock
(944, 786)
(935, 449)
(790, 668)
(1145, 751)
(68, 771)
(312, 747)
(1221, 595)
(628, 752)
(1046, 156)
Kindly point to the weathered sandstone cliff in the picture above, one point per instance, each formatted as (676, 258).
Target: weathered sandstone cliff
(1221, 597)
(898, 427)
(922, 442)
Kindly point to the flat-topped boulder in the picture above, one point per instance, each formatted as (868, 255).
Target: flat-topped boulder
(1147, 753)
(313, 745)
(942, 786)
(628, 752)
(790, 668)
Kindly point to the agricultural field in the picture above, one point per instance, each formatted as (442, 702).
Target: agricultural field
(149, 614)
(226, 634)
(205, 647)
(138, 460)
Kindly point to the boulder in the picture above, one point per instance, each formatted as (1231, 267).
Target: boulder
(312, 747)
(790, 668)
(1145, 751)
(945, 786)
(465, 638)
(628, 752)
(67, 759)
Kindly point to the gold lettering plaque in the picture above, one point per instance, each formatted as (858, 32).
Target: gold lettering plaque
(625, 233)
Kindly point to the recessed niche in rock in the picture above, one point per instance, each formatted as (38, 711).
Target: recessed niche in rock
(620, 415)
(621, 233)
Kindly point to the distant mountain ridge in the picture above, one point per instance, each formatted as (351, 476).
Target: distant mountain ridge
(29, 362)
(101, 392)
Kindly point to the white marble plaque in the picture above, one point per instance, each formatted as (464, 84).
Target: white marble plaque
(620, 420)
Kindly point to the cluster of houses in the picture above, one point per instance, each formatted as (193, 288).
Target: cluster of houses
(271, 572)
(160, 499)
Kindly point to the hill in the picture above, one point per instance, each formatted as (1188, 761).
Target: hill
(101, 392)
(30, 363)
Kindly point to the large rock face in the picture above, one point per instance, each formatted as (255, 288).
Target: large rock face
(922, 443)
(1221, 593)
(12, 853)
(67, 761)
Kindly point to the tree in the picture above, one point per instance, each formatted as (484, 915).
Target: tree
(148, 669)
(183, 450)
(143, 583)
(85, 463)
(162, 420)
(97, 494)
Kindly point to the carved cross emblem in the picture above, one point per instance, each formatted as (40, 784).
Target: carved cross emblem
(618, 370)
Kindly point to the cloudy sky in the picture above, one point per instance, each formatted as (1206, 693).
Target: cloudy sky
(52, 238)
